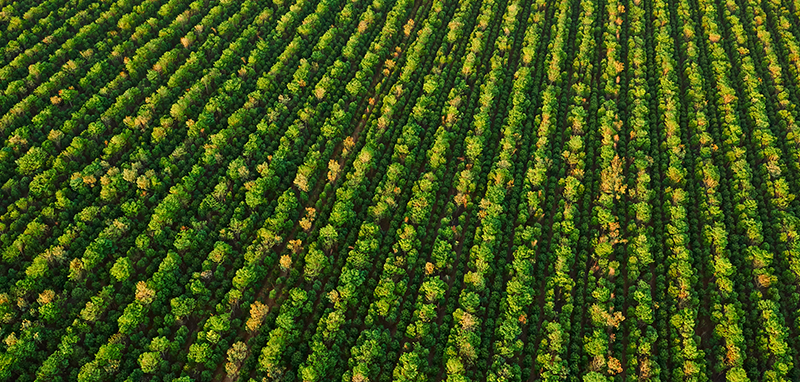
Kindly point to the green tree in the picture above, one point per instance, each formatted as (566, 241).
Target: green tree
(316, 262)
(149, 361)
(133, 316)
(121, 269)
(328, 235)
(593, 376)
(199, 352)
(159, 344)
(182, 306)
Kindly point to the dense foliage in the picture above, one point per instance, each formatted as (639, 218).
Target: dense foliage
(399, 190)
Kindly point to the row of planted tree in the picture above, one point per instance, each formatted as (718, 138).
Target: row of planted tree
(399, 190)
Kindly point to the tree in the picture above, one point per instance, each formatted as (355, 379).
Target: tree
(106, 362)
(76, 269)
(286, 262)
(186, 240)
(329, 236)
(199, 352)
(433, 289)
(316, 262)
(236, 354)
(216, 325)
(121, 269)
(408, 367)
(49, 307)
(159, 344)
(258, 312)
(182, 307)
(220, 251)
(593, 376)
(133, 316)
(244, 277)
(333, 170)
(95, 306)
(144, 294)
(149, 361)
